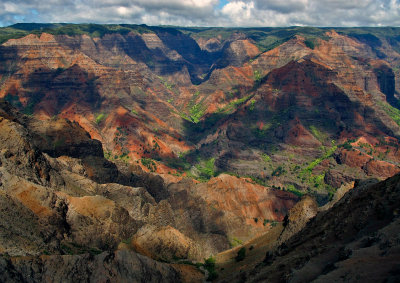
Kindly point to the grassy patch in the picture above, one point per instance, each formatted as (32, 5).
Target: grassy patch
(196, 112)
(100, 118)
(206, 169)
(317, 161)
(149, 163)
(235, 242)
(265, 157)
(393, 112)
(317, 134)
(74, 248)
(291, 188)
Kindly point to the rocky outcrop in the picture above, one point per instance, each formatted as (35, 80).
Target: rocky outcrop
(298, 217)
(164, 243)
(381, 168)
(359, 232)
(120, 266)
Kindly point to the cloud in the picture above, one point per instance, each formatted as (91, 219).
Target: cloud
(205, 12)
(284, 7)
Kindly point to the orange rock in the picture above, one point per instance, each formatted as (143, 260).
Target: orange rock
(380, 168)
(353, 158)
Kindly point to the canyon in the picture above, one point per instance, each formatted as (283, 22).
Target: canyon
(144, 150)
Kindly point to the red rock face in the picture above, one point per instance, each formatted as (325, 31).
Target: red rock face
(354, 158)
(381, 168)
(300, 136)
(228, 193)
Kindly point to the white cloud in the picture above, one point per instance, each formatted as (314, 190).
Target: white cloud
(239, 12)
(206, 12)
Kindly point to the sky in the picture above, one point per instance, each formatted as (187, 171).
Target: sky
(228, 13)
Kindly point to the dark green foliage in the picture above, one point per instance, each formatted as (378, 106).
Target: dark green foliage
(309, 43)
(149, 163)
(347, 145)
(278, 171)
(13, 100)
(34, 99)
(209, 264)
(74, 248)
(241, 254)
(178, 163)
(206, 169)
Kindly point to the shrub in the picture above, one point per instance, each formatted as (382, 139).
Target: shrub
(278, 171)
(241, 254)
(207, 171)
(209, 265)
(310, 44)
(100, 118)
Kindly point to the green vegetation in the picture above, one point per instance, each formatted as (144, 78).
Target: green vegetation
(133, 111)
(209, 265)
(233, 105)
(257, 76)
(59, 143)
(278, 171)
(315, 181)
(252, 104)
(196, 112)
(328, 153)
(167, 84)
(107, 155)
(241, 254)
(272, 222)
(13, 100)
(310, 44)
(100, 118)
(149, 163)
(180, 163)
(318, 180)
(291, 188)
(121, 136)
(234, 242)
(73, 248)
(33, 100)
(195, 109)
(317, 134)
(347, 145)
(393, 112)
(265, 157)
(206, 169)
